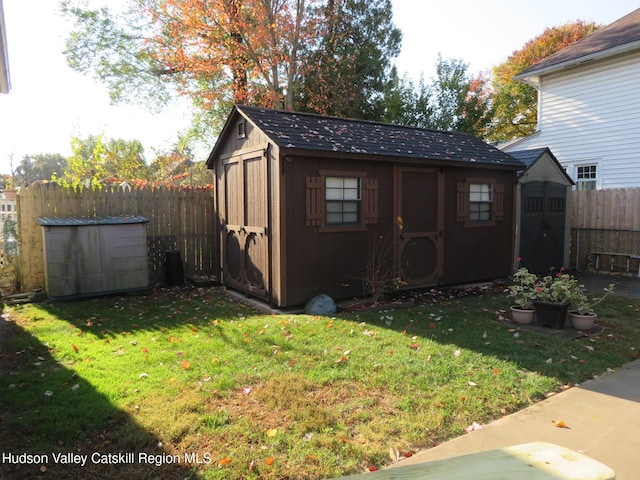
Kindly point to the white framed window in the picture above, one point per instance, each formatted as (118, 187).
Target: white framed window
(480, 202)
(343, 200)
(586, 177)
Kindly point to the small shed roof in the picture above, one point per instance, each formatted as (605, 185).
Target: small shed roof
(74, 221)
(617, 37)
(303, 131)
(532, 155)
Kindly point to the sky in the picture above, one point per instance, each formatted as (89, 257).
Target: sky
(49, 103)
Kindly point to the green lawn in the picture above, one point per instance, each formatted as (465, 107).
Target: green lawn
(191, 383)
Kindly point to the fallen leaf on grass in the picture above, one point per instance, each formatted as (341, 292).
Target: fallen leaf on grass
(75, 349)
(224, 461)
(269, 461)
(185, 365)
(272, 432)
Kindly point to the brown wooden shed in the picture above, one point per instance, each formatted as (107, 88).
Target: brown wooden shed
(305, 202)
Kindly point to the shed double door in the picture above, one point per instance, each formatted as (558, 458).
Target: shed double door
(419, 209)
(245, 240)
(542, 226)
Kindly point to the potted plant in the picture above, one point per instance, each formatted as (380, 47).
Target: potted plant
(582, 315)
(522, 291)
(553, 297)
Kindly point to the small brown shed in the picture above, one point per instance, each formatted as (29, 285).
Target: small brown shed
(308, 204)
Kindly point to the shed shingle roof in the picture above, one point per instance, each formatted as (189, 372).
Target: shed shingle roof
(607, 40)
(293, 130)
(529, 157)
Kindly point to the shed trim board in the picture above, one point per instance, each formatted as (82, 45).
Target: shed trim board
(298, 252)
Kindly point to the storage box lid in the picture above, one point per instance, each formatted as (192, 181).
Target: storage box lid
(72, 221)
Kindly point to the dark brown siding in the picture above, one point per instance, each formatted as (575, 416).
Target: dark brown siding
(325, 260)
(476, 253)
(334, 262)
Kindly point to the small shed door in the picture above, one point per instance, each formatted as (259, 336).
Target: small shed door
(542, 226)
(419, 224)
(245, 246)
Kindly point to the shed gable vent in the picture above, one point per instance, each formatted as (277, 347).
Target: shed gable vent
(242, 129)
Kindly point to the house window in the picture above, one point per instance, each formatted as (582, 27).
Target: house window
(480, 202)
(586, 177)
(343, 199)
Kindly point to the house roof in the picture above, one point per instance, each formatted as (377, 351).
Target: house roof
(5, 84)
(302, 131)
(621, 36)
(532, 155)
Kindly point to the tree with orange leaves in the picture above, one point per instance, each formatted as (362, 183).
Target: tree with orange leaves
(215, 51)
(253, 46)
(326, 56)
(515, 103)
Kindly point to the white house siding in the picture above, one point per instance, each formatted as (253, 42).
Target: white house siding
(590, 114)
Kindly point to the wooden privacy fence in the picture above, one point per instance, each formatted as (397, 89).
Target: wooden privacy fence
(180, 219)
(605, 229)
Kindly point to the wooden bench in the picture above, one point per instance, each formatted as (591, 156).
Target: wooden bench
(533, 461)
(613, 256)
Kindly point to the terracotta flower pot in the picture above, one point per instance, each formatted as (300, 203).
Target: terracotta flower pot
(523, 316)
(582, 322)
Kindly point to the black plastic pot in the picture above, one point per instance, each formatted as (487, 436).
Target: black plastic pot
(551, 314)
